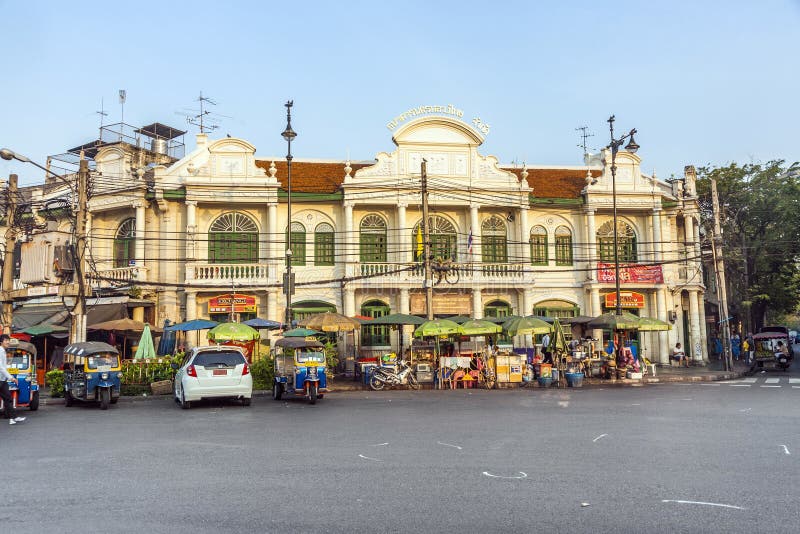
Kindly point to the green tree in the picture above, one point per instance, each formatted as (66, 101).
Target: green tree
(760, 218)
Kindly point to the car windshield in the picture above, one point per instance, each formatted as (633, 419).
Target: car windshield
(102, 360)
(305, 357)
(219, 359)
(18, 360)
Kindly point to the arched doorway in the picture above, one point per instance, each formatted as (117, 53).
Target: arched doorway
(378, 335)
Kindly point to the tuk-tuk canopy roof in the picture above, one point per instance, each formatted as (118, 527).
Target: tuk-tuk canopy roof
(771, 335)
(87, 348)
(16, 344)
(298, 343)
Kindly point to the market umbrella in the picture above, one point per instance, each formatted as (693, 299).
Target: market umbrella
(526, 325)
(44, 329)
(190, 326)
(232, 332)
(612, 321)
(580, 319)
(500, 320)
(649, 324)
(437, 327)
(258, 322)
(458, 319)
(480, 327)
(123, 325)
(331, 322)
(558, 343)
(146, 349)
(300, 332)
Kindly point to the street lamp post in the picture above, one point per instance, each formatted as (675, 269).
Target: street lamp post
(631, 147)
(288, 283)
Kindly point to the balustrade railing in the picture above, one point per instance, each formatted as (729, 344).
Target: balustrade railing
(226, 272)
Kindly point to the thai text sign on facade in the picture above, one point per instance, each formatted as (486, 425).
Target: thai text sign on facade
(241, 304)
(627, 299)
(630, 272)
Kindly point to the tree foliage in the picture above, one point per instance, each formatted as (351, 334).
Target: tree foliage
(760, 218)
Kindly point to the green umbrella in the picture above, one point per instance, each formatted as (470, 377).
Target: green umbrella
(558, 343)
(500, 320)
(612, 321)
(649, 324)
(397, 319)
(437, 327)
(458, 319)
(146, 350)
(526, 325)
(233, 332)
(480, 327)
(44, 329)
(300, 332)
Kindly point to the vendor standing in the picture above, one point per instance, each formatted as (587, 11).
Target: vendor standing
(548, 356)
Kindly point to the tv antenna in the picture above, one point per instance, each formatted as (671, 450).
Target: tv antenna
(584, 136)
(200, 120)
(102, 114)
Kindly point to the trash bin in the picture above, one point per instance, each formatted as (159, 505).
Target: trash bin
(366, 371)
(574, 380)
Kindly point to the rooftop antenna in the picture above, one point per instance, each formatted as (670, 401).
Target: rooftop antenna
(123, 95)
(198, 120)
(584, 136)
(102, 114)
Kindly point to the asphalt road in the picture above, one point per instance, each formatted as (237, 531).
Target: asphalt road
(699, 457)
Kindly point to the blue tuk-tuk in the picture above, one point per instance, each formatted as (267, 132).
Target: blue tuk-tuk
(92, 373)
(300, 369)
(21, 358)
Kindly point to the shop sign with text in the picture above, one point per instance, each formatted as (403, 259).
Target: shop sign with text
(628, 299)
(630, 273)
(241, 304)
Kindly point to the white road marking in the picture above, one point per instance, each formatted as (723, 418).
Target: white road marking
(772, 380)
(770, 386)
(524, 475)
(741, 385)
(707, 384)
(748, 380)
(795, 387)
(686, 399)
(636, 404)
(368, 458)
(705, 504)
(598, 437)
(379, 444)
(794, 380)
(585, 504)
(786, 450)
(448, 445)
(746, 410)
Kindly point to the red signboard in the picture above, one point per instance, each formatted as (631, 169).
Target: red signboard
(628, 299)
(630, 273)
(241, 304)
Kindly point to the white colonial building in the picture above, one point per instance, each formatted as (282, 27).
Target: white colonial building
(519, 239)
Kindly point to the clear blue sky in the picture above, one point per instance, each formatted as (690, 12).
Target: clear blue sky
(704, 82)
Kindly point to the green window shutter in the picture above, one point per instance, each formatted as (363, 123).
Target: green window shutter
(372, 247)
(377, 335)
(494, 249)
(232, 247)
(298, 248)
(324, 250)
(539, 250)
(563, 250)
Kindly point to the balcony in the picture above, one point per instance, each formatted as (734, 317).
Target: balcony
(469, 273)
(223, 274)
(116, 277)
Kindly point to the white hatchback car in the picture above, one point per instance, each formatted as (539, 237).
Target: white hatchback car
(218, 371)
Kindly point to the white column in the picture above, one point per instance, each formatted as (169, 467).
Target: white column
(596, 310)
(663, 337)
(688, 223)
(140, 232)
(349, 237)
(349, 302)
(694, 327)
(703, 327)
(523, 251)
(475, 225)
(477, 303)
(405, 307)
(272, 306)
(402, 237)
(527, 302)
(657, 247)
(591, 260)
(191, 228)
(274, 234)
(191, 305)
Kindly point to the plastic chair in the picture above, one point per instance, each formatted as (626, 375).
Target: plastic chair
(456, 377)
(445, 377)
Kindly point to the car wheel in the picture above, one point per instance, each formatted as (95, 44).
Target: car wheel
(312, 393)
(34, 405)
(105, 398)
(184, 403)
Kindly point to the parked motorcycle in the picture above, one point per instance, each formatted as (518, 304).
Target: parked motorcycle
(385, 376)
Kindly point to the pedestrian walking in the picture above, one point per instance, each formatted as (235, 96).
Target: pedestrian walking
(751, 348)
(5, 378)
(736, 346)
(717, 347)
(548, 357)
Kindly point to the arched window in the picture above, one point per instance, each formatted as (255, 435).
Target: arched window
(538, 245)
(324, 249)
(372, 239)
(556, 308)
(306, 308)
(494, 247)
(298, 244)
(563, 246)
(497, 308)
(626, 242)
(443, 239)
(233, 238)
(125, 243)
(377, 335)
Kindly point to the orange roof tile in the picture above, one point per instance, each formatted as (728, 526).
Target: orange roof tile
(555, 183)
(311, 177)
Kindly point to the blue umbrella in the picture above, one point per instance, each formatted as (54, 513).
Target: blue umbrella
(258, 322)
(194, 324)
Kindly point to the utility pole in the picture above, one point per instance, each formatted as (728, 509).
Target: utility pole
(426, 243)
(719, 267)
(8, 256)
(78, 333)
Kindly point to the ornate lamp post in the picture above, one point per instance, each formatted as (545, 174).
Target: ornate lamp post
(631, 147)
(288, 283)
